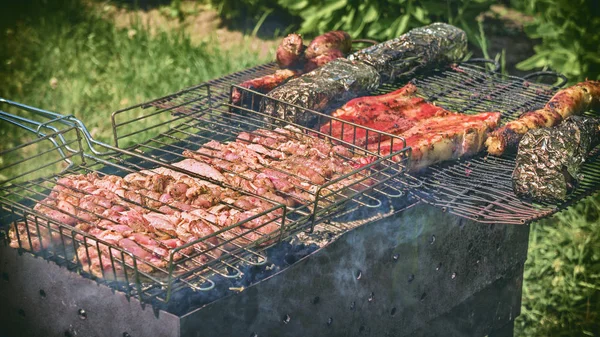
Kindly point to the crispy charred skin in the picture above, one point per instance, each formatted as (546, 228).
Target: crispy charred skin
(264, 84)
(576, 99)
(322, 44)
(290, 52)
(567, 102)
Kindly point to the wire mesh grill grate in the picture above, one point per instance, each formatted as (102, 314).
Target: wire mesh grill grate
(480, 188)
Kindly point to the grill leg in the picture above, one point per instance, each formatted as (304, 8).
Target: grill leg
(506, 331)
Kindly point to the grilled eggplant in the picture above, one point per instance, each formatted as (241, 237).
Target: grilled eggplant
(344, 79)
(549, 160)
(423, 47)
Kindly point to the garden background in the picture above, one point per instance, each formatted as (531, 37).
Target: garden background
(89, 58)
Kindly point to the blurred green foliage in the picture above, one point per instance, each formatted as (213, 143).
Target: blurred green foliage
(375, 19)
(383, 20)
(568, 31)
(569, 34)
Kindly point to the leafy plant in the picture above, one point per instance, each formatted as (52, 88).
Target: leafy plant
(379, 19)
(569, 32)
(561, 291)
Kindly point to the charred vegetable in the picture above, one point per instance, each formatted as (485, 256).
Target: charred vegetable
(338, 80)
(549, 159)
(423, 47)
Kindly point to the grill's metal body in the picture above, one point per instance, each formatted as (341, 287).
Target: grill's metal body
(420, 271)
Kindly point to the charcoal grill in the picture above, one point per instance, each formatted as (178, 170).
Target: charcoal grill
(381, 262)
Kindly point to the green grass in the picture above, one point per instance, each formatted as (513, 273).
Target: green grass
(73, 61)
(60, 56)
(561, 293)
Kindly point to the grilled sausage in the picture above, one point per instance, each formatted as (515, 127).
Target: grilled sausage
(570, 101)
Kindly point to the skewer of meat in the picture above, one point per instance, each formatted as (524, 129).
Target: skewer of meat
(567, 102)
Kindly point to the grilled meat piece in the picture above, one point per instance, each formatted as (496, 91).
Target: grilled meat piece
(338, 80)
(443, 138)
(321, 60)
(290, 53)
(362, 72)
(549, 160)
(435, 134)
(280, 163)
(570, 101)
(420, 48)
(201, 169)
(263, 84)
(240, 158)
(29, 236)
(116, 217)
(335, 41)
(395, 113)
(291, 58)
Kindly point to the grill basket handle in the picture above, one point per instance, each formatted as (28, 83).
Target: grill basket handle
(53, 117)
(367, 41)
(41, 130)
